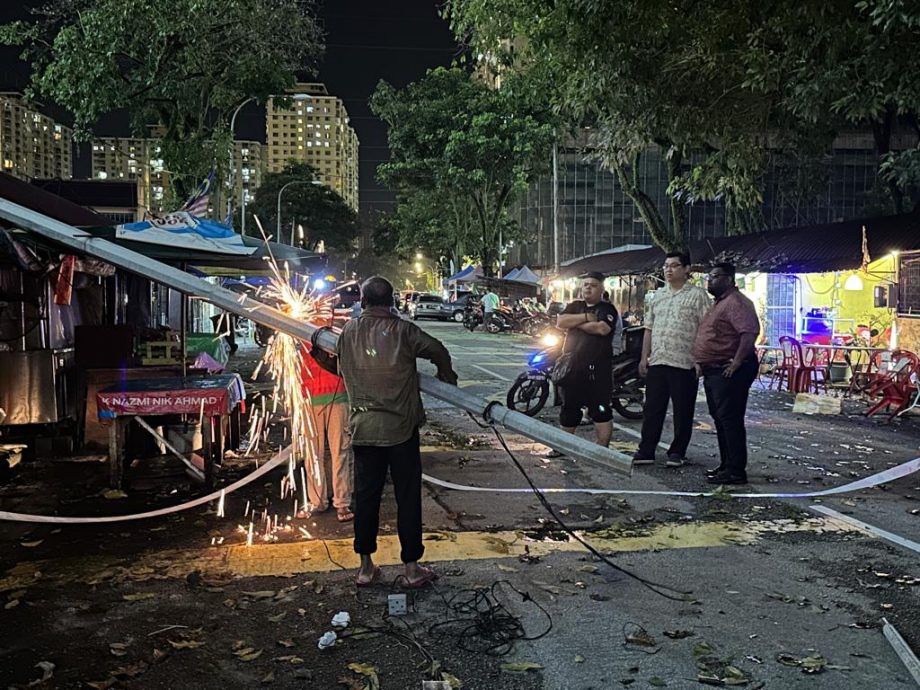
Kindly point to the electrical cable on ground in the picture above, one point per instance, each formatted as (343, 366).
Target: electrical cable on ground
(666, 591)
(479, 615)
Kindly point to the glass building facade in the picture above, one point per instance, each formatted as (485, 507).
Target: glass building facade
(595, 215)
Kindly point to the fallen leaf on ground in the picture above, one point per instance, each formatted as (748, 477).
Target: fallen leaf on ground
(114, 493)
(655, 681)
(268, 678)
(286, 643)
(31, 544)
(452, 680)
(579, 659)
(588, 568)
(677, 634)
(278, 618)
(185, 644)
(140, 596)
(118, 648)
(13, 603)
(369, 672)
(252, 656)
(808, 664)
(100, 684)
(47, 669)
(521, 666)
(263, 594)
(507, 568)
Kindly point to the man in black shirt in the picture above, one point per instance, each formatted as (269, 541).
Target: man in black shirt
(589, 325)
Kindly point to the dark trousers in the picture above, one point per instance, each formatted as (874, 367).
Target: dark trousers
(404, 462)
(664, 384)
(727, 399)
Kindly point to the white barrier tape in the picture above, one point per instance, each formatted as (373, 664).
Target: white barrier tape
(883, 477)
(280, 457)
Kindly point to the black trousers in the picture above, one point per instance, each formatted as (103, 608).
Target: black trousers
(664, 384)
(727, 399)
(404, 462)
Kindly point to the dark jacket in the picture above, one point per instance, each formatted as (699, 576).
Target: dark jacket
(376, 354)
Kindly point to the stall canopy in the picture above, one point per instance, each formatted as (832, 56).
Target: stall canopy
(184, 230)
(813, 249)
(96, 225)
(617, 262)
(525, 275)
(470, 272)
(801, 249)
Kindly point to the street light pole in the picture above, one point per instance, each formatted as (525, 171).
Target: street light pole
(230, 170)
(278, 212)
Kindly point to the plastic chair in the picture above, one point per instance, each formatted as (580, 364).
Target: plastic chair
(815, 361)
(895, 386)
(792, 368)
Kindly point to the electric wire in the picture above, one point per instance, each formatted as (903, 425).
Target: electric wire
(666, 591)
(482, 624)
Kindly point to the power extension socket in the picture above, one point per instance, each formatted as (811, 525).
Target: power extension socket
(396, 605)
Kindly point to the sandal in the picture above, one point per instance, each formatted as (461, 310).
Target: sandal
(344, 515)
(371, 582)
(428, 576)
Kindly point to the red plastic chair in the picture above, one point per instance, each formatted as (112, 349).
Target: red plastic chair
(894, 387)
(792, 368)
(815, 361)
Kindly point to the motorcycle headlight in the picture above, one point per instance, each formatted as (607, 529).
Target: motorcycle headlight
(550, 340)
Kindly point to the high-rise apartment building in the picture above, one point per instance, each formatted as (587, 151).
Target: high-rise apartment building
(33, 145)
(314, 129)
(140, 159)
(133, 158)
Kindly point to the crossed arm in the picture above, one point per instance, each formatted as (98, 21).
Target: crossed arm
(584, 322)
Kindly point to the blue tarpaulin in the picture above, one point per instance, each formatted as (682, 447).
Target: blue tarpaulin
(182, 229)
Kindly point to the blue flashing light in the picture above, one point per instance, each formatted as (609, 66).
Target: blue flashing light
(319, 284)
(537, 358)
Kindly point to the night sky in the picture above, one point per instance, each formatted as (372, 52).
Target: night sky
(366, 41)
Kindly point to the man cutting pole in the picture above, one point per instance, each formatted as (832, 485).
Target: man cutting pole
(376, 354)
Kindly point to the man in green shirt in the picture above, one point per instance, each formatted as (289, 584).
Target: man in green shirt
(376, 354)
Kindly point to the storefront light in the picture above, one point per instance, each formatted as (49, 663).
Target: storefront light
(853, 283)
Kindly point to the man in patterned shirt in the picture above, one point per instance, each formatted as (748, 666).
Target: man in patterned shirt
(672, 317)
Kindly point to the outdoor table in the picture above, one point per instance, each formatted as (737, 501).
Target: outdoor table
(217, 400)
(853, 355)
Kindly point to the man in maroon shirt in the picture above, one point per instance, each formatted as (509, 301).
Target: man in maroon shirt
(724, 352)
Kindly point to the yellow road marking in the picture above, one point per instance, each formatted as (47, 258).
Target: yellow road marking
(309, 556)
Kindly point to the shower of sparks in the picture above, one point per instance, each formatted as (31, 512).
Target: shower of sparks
(283, 360)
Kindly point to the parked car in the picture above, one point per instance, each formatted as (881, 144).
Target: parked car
(405, 299)
(430, 307)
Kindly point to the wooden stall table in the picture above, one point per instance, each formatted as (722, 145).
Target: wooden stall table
(218, 400)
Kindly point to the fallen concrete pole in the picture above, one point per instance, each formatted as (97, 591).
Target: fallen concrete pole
(134, 262)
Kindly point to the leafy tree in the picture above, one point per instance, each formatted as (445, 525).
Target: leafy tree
(849, 65)
(437, 223)
(467, 148)
(641, 74)
(324, 215)
(182, 64)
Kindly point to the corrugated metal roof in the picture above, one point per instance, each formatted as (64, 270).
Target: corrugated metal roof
(810, 249)
(813, 249)
(632, 262)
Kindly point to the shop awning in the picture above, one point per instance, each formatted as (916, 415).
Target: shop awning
(617, 262)
(812, 249)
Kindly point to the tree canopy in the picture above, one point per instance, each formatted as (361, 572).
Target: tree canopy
(184, 65)
(459, 151)
(715, 86)
(324, 215)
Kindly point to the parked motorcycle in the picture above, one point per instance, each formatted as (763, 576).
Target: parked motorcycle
(530, 391)
(472, 316)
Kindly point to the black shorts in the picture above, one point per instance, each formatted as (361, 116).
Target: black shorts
(592, 390)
